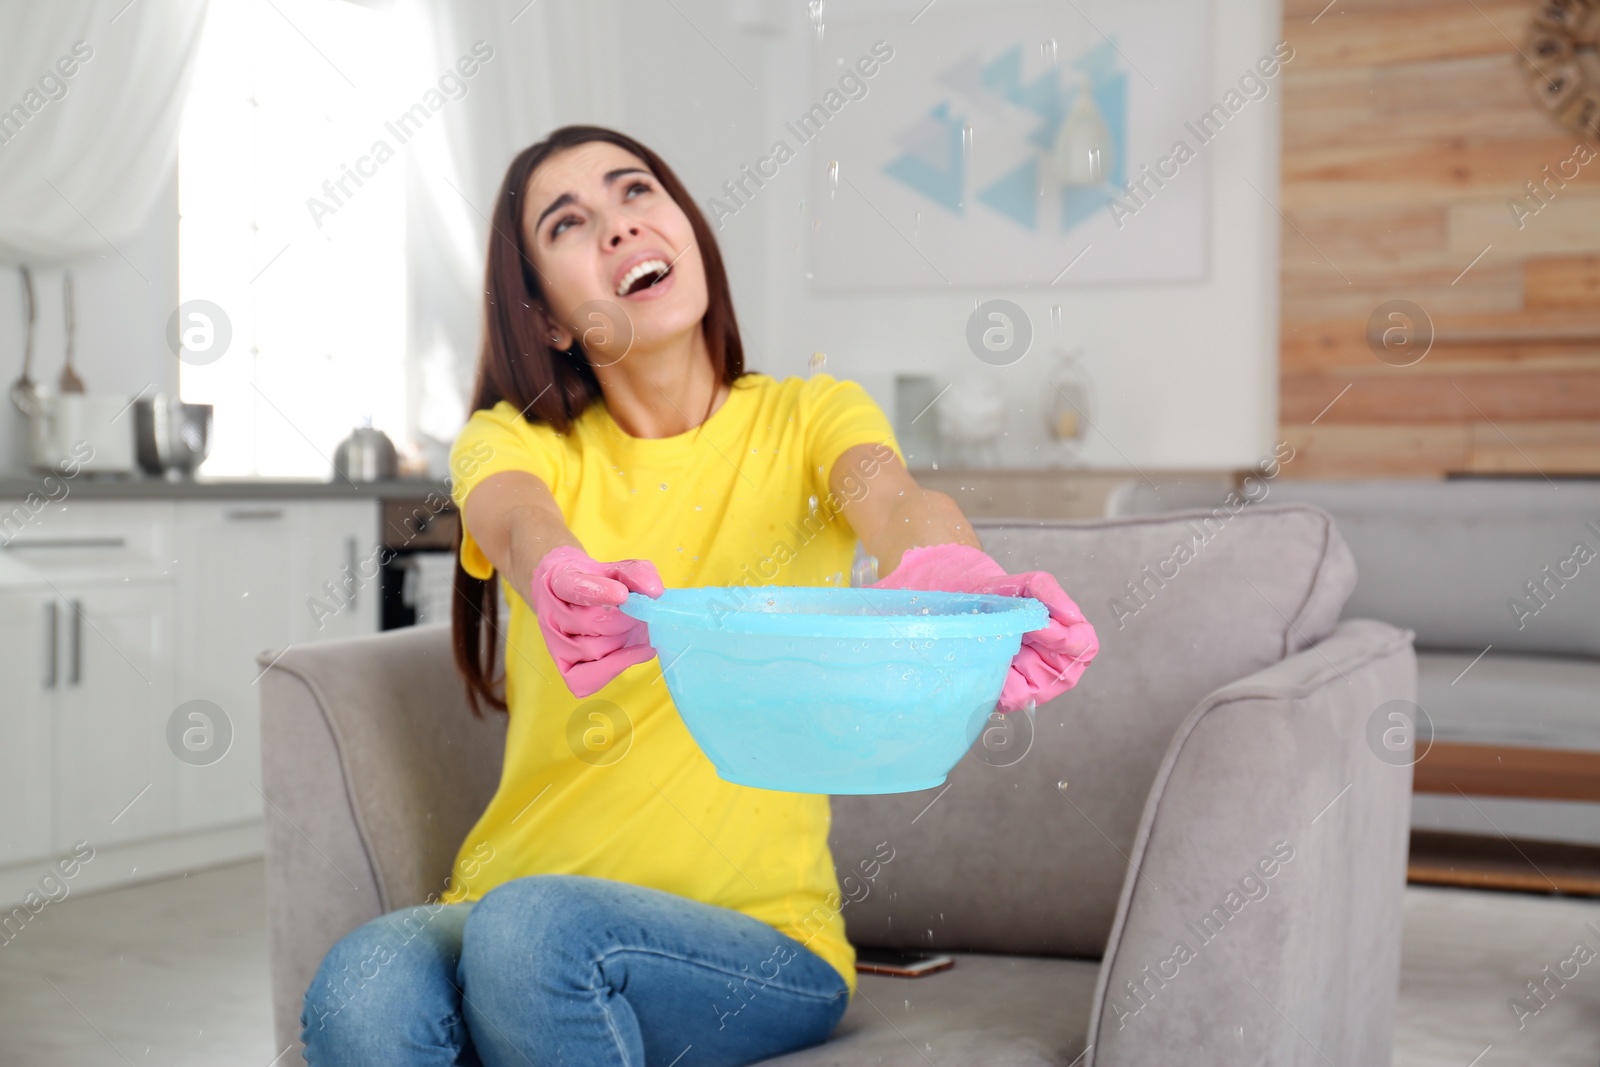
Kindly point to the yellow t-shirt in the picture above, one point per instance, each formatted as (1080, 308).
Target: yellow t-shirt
(619, 789)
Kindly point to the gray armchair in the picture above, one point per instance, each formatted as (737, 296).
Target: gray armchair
(1196, 856)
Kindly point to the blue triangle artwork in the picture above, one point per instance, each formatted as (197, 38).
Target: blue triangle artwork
(934, 161)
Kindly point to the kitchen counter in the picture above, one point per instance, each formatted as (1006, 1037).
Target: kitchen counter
(983, 493)
(100, 487)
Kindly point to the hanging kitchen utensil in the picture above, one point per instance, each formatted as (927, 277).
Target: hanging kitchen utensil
(24, 393)
(70, 382)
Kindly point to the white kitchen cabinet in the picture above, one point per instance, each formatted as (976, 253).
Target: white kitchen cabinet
(236, 582)
(113, 773)
(107, 568)
(339, 592)
(116, 614)
(27, 670)
(254, 576)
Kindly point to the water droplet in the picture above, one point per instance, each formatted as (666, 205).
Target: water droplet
(916, 226)
(1055, 321)
(1047, 50)
(811, 502)
(833, 178)
(966, 138)
(819, 362)
(1061, 786)
(814, 11)
(663, 487)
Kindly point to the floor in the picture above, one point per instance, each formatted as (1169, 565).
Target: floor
(175, 973)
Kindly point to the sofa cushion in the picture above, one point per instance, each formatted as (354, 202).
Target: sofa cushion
(998, 1011)
(1002, 860)
(1471, 562)
(1529, 701)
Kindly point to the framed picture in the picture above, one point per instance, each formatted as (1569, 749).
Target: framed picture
(1007, 143)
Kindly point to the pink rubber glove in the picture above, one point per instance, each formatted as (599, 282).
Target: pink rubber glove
(1050, 660)
(575, 598)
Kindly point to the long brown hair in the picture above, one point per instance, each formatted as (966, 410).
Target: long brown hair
(516, 362)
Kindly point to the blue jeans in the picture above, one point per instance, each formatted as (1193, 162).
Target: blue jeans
(561, 969)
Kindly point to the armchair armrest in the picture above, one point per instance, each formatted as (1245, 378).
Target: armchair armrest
(1261, 917)
(372, 770)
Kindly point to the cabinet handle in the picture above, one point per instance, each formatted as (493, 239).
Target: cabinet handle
(350, 564)
(75, 675)
(67, 542)
(248, 514)
(52, 641)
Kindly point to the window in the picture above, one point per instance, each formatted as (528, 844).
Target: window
(303, 254)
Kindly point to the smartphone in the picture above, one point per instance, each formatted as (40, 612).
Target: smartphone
(900, 964)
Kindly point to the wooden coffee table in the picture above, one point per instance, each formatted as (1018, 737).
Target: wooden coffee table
(1485, 862)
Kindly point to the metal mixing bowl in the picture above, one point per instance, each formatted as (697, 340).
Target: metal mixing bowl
(172, 438)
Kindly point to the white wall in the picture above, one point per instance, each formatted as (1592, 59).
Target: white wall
(122, 300)
(1185, 375)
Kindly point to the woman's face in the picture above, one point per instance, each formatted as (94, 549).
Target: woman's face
(606, 237)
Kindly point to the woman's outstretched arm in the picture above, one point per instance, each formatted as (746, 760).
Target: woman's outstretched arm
(518, 525)
(515, 520)
(892, 515)
(889, 511)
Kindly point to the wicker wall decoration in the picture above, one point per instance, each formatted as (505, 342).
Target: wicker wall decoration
(1562, 51)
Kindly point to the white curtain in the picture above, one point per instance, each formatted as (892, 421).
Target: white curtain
(552, 65)
(84, 157)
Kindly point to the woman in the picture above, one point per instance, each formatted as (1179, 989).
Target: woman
(617, 902)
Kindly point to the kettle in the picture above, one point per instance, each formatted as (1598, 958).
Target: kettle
(367, 455)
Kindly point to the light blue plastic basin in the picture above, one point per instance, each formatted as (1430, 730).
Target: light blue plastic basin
(818, 690)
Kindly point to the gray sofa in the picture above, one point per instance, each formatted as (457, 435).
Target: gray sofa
(1451, 559)
(1194, 857)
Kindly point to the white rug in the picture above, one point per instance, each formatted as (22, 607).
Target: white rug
(1468, 955)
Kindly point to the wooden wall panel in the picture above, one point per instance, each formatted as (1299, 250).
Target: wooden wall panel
(1408, 129)
(1374, 34)
(1561, 281)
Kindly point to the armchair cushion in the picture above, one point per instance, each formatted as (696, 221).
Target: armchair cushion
(997, 1011)
(1004, 860)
